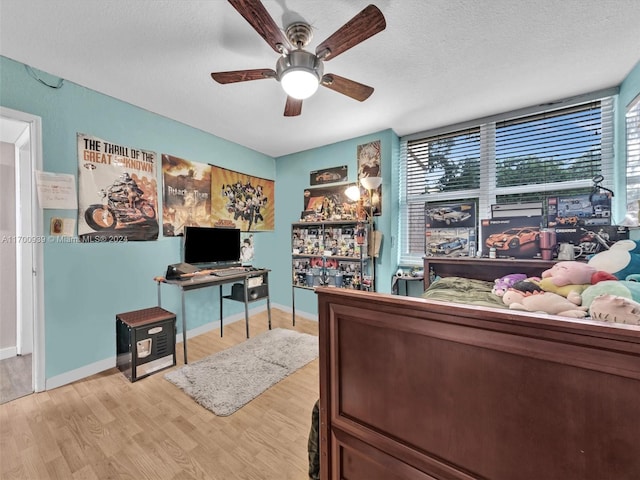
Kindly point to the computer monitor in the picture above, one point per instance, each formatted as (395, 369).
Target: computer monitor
(206, 246)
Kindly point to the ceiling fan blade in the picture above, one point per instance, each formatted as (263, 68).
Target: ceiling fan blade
(364, 25)
(293, 108)
(243, 75)
(254, 12)
(347, 87)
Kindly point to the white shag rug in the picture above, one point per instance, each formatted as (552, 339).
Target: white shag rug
(227, 380)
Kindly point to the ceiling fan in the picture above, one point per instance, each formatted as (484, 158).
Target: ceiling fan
(301, 72)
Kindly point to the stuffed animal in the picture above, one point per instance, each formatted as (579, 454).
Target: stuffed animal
(530, 284)
(572, 292)
(545, 302)
(611, 308)
(621, 260)
(619, 288)
(570, 272)
(502, 284)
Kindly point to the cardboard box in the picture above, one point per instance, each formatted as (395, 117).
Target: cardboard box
(449, 242)
(515, 237)
(450, 215)
(579, 210)
(591, 240)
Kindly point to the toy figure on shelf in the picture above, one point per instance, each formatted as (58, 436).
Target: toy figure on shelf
(360, 233)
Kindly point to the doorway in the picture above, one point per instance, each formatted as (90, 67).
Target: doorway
(22, 313)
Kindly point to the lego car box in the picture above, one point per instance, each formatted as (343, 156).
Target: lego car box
(515, 237)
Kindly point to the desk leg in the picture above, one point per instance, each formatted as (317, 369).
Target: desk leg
(221, 310)
(184, 329)
(246, 304)
(269, 308)
(293, 304)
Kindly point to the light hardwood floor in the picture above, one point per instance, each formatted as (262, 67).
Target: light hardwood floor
(104, 427)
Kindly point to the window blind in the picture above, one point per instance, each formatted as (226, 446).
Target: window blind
(507, 160)
(633, 162)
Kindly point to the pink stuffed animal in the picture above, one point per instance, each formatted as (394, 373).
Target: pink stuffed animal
(570, 272)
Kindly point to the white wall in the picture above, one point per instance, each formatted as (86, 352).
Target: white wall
(7, 251)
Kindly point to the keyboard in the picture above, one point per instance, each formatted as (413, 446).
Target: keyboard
(226, 272)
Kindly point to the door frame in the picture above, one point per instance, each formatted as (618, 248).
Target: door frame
(29, 255)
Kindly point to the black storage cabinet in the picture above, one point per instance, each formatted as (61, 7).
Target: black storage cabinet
(146, 342)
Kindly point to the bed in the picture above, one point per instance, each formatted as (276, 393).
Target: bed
(422, 389)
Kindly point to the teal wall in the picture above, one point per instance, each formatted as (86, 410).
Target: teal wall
(292, 173)
(630, 88)
(86, 285)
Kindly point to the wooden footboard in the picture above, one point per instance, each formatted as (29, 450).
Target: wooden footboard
(416, 389)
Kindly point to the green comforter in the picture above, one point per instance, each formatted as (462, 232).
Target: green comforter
(464, 290)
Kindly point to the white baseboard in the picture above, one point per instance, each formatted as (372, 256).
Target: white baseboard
(97, 367)
(8, 352)
(305, 315)
(80, 373)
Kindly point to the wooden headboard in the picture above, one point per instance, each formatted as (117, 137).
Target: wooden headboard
(415, 389)
(482, 268)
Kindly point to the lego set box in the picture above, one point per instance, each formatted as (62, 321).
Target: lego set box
(450, 242)
(515, 237)
(443, 215)
(591, 240)
(580, 210)
(450, 229)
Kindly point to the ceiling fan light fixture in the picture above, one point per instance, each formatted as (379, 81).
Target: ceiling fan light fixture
(299, 83)
(299, 73)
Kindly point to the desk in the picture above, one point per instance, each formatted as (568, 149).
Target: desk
(204, 281)
(404, 279)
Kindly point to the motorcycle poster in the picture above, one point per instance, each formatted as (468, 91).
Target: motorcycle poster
(118, 192)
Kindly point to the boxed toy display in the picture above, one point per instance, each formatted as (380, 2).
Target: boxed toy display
(585, 209)
(589, 241)
(517, 237)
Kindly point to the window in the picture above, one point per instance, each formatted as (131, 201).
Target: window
(507, 159)
(633, 163)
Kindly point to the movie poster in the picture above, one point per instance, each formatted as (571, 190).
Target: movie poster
(241, 201)
(187, 195)
(117, 190)
(368, 156)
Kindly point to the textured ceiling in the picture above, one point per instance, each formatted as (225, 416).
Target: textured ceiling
(438, 62)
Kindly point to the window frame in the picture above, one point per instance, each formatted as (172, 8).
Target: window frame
(488, 192)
